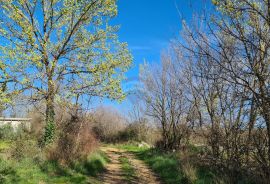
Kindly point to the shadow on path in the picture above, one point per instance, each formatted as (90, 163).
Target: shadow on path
(114, 174)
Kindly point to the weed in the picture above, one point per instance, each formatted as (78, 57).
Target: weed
(128, 170)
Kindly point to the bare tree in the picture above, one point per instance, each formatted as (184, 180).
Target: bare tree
(228, 56)
(164, 94)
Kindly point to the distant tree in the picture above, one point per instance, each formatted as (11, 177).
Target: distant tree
(62, 48)
(108, 123)
(164, 93)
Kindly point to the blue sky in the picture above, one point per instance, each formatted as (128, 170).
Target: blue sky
(148, 26)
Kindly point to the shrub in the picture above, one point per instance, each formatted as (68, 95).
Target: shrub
(6, 171)
(7, 132)
(108, 124)
(136, 131)
(75, 141)
(24, 147)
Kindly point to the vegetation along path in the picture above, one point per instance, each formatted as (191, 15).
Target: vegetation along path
(125, 168)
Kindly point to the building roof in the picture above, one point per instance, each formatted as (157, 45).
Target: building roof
(15, 119)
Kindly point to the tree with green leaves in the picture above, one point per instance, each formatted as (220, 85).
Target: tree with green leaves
(62, 48)
(5, 94)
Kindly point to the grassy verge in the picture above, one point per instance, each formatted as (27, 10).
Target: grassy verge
(128, 170)
(33, 170)
(170, 167)
(94, 165)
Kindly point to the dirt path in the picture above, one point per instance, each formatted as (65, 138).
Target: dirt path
(114, 174)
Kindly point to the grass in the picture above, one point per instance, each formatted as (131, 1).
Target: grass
(128, 170)
(4, 145)
(33, 171)
(94, 164)
(165, 165)
(168, 166)
(28, 171)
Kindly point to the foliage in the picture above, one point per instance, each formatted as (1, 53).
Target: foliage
(75, 141)
(72, 43)
(24, 147)
(4, 145)
(7, 132)
(140, 132)
(62, 50)
(49, 133)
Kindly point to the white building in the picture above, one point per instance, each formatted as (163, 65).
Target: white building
(16, 122)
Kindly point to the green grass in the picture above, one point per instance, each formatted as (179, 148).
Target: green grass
(165, 165)
(30, 171)
(94, 164)
(4, 145)
(128, 170)
(168, 165)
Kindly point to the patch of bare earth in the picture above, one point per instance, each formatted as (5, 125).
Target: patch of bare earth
(114, 174)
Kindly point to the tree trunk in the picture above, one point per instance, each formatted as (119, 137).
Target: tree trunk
(50, 121)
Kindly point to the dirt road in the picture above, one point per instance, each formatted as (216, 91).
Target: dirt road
(115, 174)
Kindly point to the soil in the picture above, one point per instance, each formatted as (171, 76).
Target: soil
(114, 174)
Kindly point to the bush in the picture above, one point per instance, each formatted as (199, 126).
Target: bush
(7, 132)
(108, 124)
(140, 132)
(134, 132)
(25, 148)
(75, 141)
(6, 171)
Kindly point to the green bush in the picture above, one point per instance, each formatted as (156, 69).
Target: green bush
(7, 132)
(25, 148)
(6, 172)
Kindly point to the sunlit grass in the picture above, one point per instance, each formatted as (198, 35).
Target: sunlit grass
(4, 145)
(168, 166)
(30, 171)
(128, 170)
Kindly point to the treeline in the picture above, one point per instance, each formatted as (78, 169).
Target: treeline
(80, 132)
(212, 89)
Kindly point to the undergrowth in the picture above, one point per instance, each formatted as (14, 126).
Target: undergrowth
(31, 171)
(170, 167)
